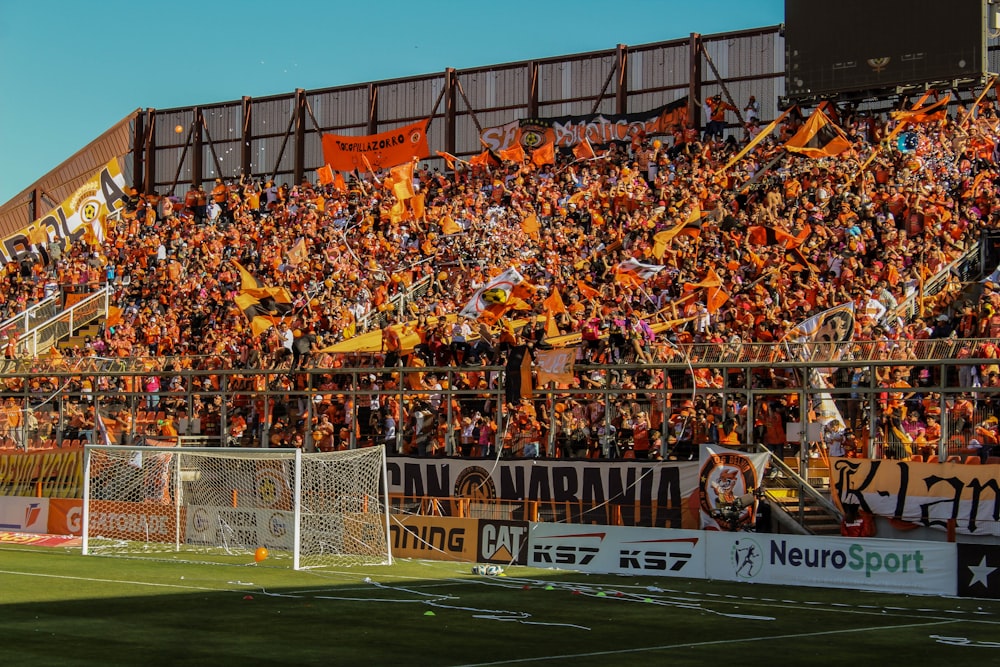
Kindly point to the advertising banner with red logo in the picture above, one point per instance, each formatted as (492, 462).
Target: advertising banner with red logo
(379, 151)
(727, 482)
(24, 515)
(618, 549)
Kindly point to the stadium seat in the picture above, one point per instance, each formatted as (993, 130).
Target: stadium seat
(933, 458)
(972, 460)
(917, 458)
(954, 459)
(993, 460)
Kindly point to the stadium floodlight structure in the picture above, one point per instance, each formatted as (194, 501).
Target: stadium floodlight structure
(223, 505)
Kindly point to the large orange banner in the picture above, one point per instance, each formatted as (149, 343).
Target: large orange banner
(379, 151)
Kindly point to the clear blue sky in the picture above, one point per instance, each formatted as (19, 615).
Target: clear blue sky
(71, 69)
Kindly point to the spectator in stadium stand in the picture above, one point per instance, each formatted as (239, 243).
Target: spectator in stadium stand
(716, 109)
(857, 522)
(174, 281)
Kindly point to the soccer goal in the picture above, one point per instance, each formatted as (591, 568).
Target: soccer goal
(228, 505)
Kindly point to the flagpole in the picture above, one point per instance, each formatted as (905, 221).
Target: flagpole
(975, 105)
(586, 159)
(371, 169)
(764, 133)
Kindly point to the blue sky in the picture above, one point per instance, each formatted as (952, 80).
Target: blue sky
(70, 69)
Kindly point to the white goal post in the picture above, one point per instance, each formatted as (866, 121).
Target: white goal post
(231, 505)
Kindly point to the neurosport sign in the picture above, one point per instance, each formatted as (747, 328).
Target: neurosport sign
(897, 566)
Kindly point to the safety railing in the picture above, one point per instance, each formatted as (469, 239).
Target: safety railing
(41, 338)
(30, 317)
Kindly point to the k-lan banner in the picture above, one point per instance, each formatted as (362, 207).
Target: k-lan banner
(923, 494)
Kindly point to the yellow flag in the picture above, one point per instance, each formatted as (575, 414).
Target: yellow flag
(530, 226)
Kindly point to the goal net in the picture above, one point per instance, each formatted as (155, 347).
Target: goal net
(229, 505)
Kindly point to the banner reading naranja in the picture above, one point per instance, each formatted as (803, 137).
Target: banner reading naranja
(644, 492)
(925, 494)
(568, 131)
(101, 198)
(378, 151)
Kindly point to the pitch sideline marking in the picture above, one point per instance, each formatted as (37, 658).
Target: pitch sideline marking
(717, 642)
(117, 581)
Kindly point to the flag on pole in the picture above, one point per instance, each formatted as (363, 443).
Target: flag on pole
(449, 159)
(496, 292)
(584, 151)
(513, 154)
(402, 181)
(820, 334)
(544, 154)
(324, 174)
(298, 253)
(819, 137)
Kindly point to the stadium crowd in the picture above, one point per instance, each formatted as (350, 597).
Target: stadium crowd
(871, 236)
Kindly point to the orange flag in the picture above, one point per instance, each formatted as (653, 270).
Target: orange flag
(402, 177)
(417, 206)
(483, 159)
(712, 279)
(449, 226)
(551, 326)
(764, 235)
(715, 297)
(530, 226)
(114, 316)
(397, 212)
(583, 150)
(819, 137)
(513, 154)
(586, 291)
(40, 235)
(544, 154)
(553, 303)
(298, 253)
(324, 174)
(449, 159)
(338, 182)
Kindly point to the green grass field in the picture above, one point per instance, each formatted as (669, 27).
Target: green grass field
(61, 608)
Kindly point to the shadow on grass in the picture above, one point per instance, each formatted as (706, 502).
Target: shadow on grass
(61, 608)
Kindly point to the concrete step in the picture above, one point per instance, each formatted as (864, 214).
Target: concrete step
(79, 337)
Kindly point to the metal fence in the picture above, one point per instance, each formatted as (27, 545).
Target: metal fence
(608, 411)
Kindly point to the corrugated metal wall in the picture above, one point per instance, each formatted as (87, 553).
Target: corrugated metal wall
(570, 85)
(751, 62)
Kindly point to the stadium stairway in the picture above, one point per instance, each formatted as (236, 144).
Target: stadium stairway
(803, 502)
(79, 337)
(804, 510)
